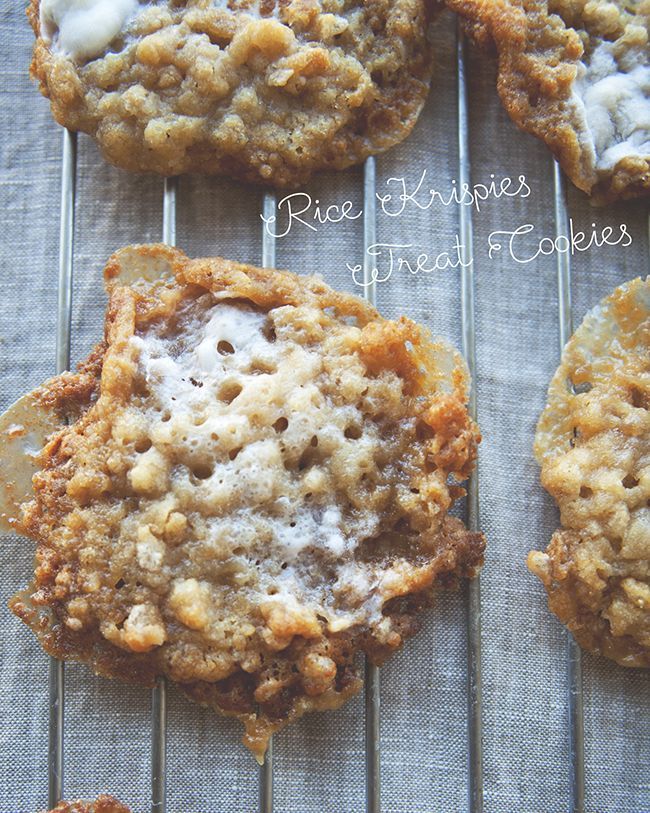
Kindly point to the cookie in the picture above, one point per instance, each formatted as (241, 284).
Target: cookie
(253, 488)
(103, 804)
(593, 444)
(263, 90)
(577, 75)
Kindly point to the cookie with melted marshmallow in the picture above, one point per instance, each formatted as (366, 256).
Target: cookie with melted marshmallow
(577, 75)
(253, 489)
(268, 91)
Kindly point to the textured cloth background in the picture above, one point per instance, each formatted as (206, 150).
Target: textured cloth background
(320, 760)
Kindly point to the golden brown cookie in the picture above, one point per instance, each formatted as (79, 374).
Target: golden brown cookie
(593, 444)
(577, 75)
(103, 804)
(253, 489)
(264, 90)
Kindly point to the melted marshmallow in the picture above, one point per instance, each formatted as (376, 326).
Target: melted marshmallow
(210, 363)
(615, 105)
(185, 375)
(83, 29)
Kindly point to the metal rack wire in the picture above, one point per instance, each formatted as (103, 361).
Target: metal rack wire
(372, 684)
(574, 656)
(266, 770)
(63, 336)
(468, 329)
(473, 603)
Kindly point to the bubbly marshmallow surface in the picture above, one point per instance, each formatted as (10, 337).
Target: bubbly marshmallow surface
(229, 353)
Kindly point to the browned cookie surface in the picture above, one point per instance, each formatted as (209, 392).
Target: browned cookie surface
(103, 804)
(577, 75)
(254, 490)
(264, 90)
(593, 443)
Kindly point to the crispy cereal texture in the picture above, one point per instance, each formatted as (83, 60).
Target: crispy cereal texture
(255, 489)
(263, 90)
(577, 75)
(103, 804)
(593, 444)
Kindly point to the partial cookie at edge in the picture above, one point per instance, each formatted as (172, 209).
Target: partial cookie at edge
(270, 92)
(103, 804)
(577, 75)
(593, 444)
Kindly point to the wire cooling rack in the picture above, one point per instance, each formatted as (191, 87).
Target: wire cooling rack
(159, 729)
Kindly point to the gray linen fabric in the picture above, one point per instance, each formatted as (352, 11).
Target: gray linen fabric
(320, 760)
